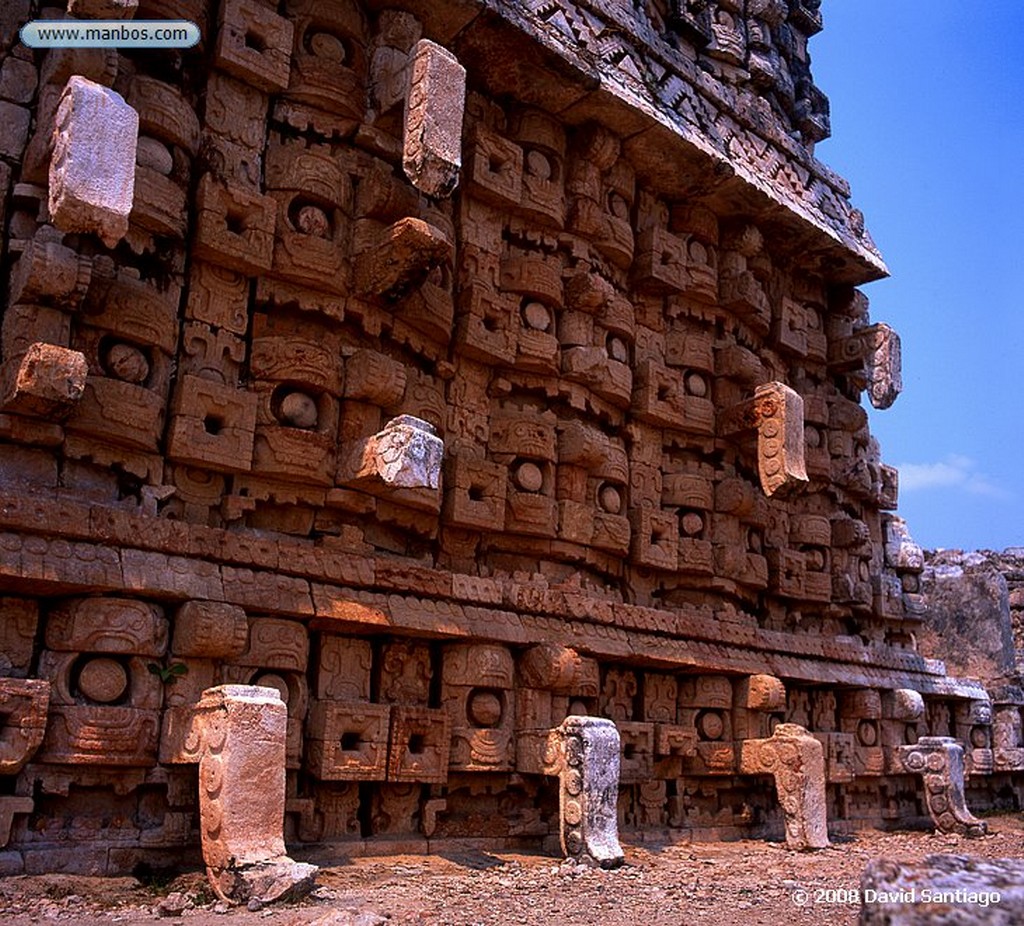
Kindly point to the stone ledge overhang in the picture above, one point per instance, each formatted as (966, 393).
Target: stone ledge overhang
(52, 545)
(690, 136)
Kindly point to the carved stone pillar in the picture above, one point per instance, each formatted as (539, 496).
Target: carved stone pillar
(584, 753)
(239, 733)
(777, 414)
(939, 760)
(797, 761)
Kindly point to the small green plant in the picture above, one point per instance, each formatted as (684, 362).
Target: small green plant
(168, 673)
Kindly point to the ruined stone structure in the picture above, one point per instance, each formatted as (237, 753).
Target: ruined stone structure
(459, 371)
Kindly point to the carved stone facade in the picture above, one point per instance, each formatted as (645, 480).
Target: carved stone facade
(451, 370)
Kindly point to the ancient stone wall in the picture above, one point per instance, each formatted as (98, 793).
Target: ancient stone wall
(451, 369)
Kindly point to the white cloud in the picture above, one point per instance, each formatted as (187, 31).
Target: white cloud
(954, 472)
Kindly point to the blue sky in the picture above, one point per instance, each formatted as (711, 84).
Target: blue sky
(928, 126)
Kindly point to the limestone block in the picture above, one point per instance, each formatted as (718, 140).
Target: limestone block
(777, 413)
(48, 272)
(406, 454)
(19, 618)
(401, 257)
(405, 673)
(14, 126)
(637, 742)
(235, 226)
(242, 730)
(93, 734)
(796, 760)
(584, 753)
(254, 44)
(475, 495)
(46, 381)
(556, 668)
(92, 171)
(959, 889)
(495, 168)
(348, 741)
(9, 806)
(107, 625)
(884, 363)
(902, 704)
(482, 725)
(343, 669)
(434, 106)
(210, 629)
(939, 760)
(420, 743)
(23, 706)
(213, 425)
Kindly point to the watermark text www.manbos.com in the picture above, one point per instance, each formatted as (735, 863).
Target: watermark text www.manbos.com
(805, 897)
(115, 33)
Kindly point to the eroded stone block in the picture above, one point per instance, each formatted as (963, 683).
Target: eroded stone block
(584, 753)
(210, 629)
(406, 454)
(796, 760)
(961, 889)
(435, 101)
(92, 172)
(23, 705)
(348, 741)
(47, 381)
(939, 760)
(242, 731)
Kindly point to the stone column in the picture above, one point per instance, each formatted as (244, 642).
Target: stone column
(584, 753)
(939, 760)
(239, 731)
(797, 761)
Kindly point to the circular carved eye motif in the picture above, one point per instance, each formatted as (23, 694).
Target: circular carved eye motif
(275, 681)
(127, 363)
(618, 206)
(298, 410)
(312, 220)
(691, 523)
(103, 680)
(327, 46)
(618, 349)
(609, 498)
(696, 385)
(484, 709)
(538, 165)
(867, 733)
(537, 316)
(528, 477)
(710, 725)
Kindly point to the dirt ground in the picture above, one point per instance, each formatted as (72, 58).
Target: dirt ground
(714, 884)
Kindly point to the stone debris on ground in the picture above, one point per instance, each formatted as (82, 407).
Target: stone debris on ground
(713, 884)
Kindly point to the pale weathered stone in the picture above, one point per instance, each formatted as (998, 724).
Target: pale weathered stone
(47, 380)
(958, 889)
(796, 760)
(241, 731)
(584, 753)
(939, 760)
(92, 171)
(777, 414)
(406, 454)
(434, 105)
